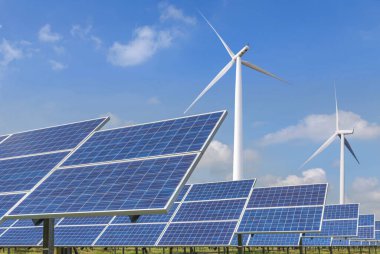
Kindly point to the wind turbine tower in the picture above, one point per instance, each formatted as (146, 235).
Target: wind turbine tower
(238, 121)
(343, 143)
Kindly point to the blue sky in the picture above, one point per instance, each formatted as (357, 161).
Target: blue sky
(147, 60)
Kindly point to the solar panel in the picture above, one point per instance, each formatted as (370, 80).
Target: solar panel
(56, 138)
(366, 229)
(366, 233)
(268, 240)
(21, 174)
(340, 242)
(8, 201)
(29, 236)
(367, 220)
(98, 220)
(288, 209)
(76, 236)
(138, 186)
(180, 135)
(2, 138)
(339, 221)
(245, 239)
(355, 243)
(316, 241)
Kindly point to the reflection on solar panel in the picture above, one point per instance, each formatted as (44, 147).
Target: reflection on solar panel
(285, 240)
(181, 135)
(57, 138)
(22, 174)
(139, 186)
(316, 241)
(340, 242)
(284, 209)
(339, 221)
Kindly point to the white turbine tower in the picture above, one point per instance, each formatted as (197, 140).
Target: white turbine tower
(238, 122)
(343, 143)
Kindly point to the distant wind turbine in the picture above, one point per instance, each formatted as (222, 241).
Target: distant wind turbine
(343, 142)
(238, 122)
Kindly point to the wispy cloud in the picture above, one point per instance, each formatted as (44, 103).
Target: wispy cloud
(45, 34)
(314, 175)
(170, 12)
(9, 53)
(85, 33)
(366, 191)
(116, 121)
(319, 127)
(153, 101)
(57, 66)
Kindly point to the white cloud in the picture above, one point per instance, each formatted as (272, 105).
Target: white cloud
(170, 12)
(57, 66)
(115, 121)
(216, 163)
(146, 42)
(314, 175)
(59, 50)
(366, 191)
(153, 101)
(46, 35)
(319, 127)
(9, 53)
(85, 33)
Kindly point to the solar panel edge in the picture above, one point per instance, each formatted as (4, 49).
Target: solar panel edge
(100, 125)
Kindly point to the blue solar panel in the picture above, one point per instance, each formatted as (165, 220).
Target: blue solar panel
(316, 241)
(377, 225)
(292, 219)
(57, 138)
(127, 186)
(286, 240)
(341, 228)
(198, 234)
(301, 195)
(98, 220)
(340, 242)
(377, 235)
(131, 235)
(234, 241)
(3, 137)
(211, 210)
(355, 243)
(76, 236)
(366, 233)
(24, 223)
(7, 223)
(367, 220)
(182, 193)
(29, 236)
(23, 173)
(7, 202)
(348, 211)
(221, 190)
(165, 137)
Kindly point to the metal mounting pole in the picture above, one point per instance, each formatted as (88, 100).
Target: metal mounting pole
(48, 236)
(301, 245)
(240, 244)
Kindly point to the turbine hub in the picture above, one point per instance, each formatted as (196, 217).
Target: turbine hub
(242, 51)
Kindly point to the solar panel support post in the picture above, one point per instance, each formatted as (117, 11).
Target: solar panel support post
(48, 236)
(240, 244)
(301, 248)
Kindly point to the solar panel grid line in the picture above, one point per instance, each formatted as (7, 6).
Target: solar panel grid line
(101, 233)
(243, 211)
(173, 216)
(35, 154)
(13, 192)
(57, 166)
(4, 137)
(211, 200)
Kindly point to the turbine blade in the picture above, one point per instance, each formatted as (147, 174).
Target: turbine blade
(320, 149)
(217, 77)
(257, 68)
(220, 37)
(347, 144)
(336, 110)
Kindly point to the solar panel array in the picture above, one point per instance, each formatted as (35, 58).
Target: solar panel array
(27, 157)
(132, 170)
(339, 221)
(289, 209)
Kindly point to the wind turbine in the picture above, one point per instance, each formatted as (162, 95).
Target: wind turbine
(238, 121)
(343, 143)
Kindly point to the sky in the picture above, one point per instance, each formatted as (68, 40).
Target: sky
(144, 61)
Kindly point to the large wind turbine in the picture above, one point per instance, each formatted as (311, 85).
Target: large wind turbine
(238, 122)
(343, 142)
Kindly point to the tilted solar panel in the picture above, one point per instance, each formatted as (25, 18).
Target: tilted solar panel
(316, 241)
(344, 211)
(7, 202)
(366, 229)
(355, 243)
(98, 220)
(366, 220)
(366, 232)
(2, 138)
(76, 236)
(50, 139)
(340, 242)
(288, 209)
(377, 225)
(180, 135)
(137, 186)
(16, 237)
(268, 240)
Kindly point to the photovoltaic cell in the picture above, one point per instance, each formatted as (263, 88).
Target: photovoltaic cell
(286, 240)
(292, 219)
(22, 174)
(211, 210)
(127, 186)
(165, 137)
(76, 236)
(302, 195)
(57, 138)
(199, 234)
(29, 237)
(131, 235)
(221, 190)
(316, 241)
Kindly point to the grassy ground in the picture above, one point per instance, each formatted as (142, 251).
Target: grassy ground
(364, 250)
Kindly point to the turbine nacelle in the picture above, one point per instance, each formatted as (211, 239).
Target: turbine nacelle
(242, 52)
(345, 132)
